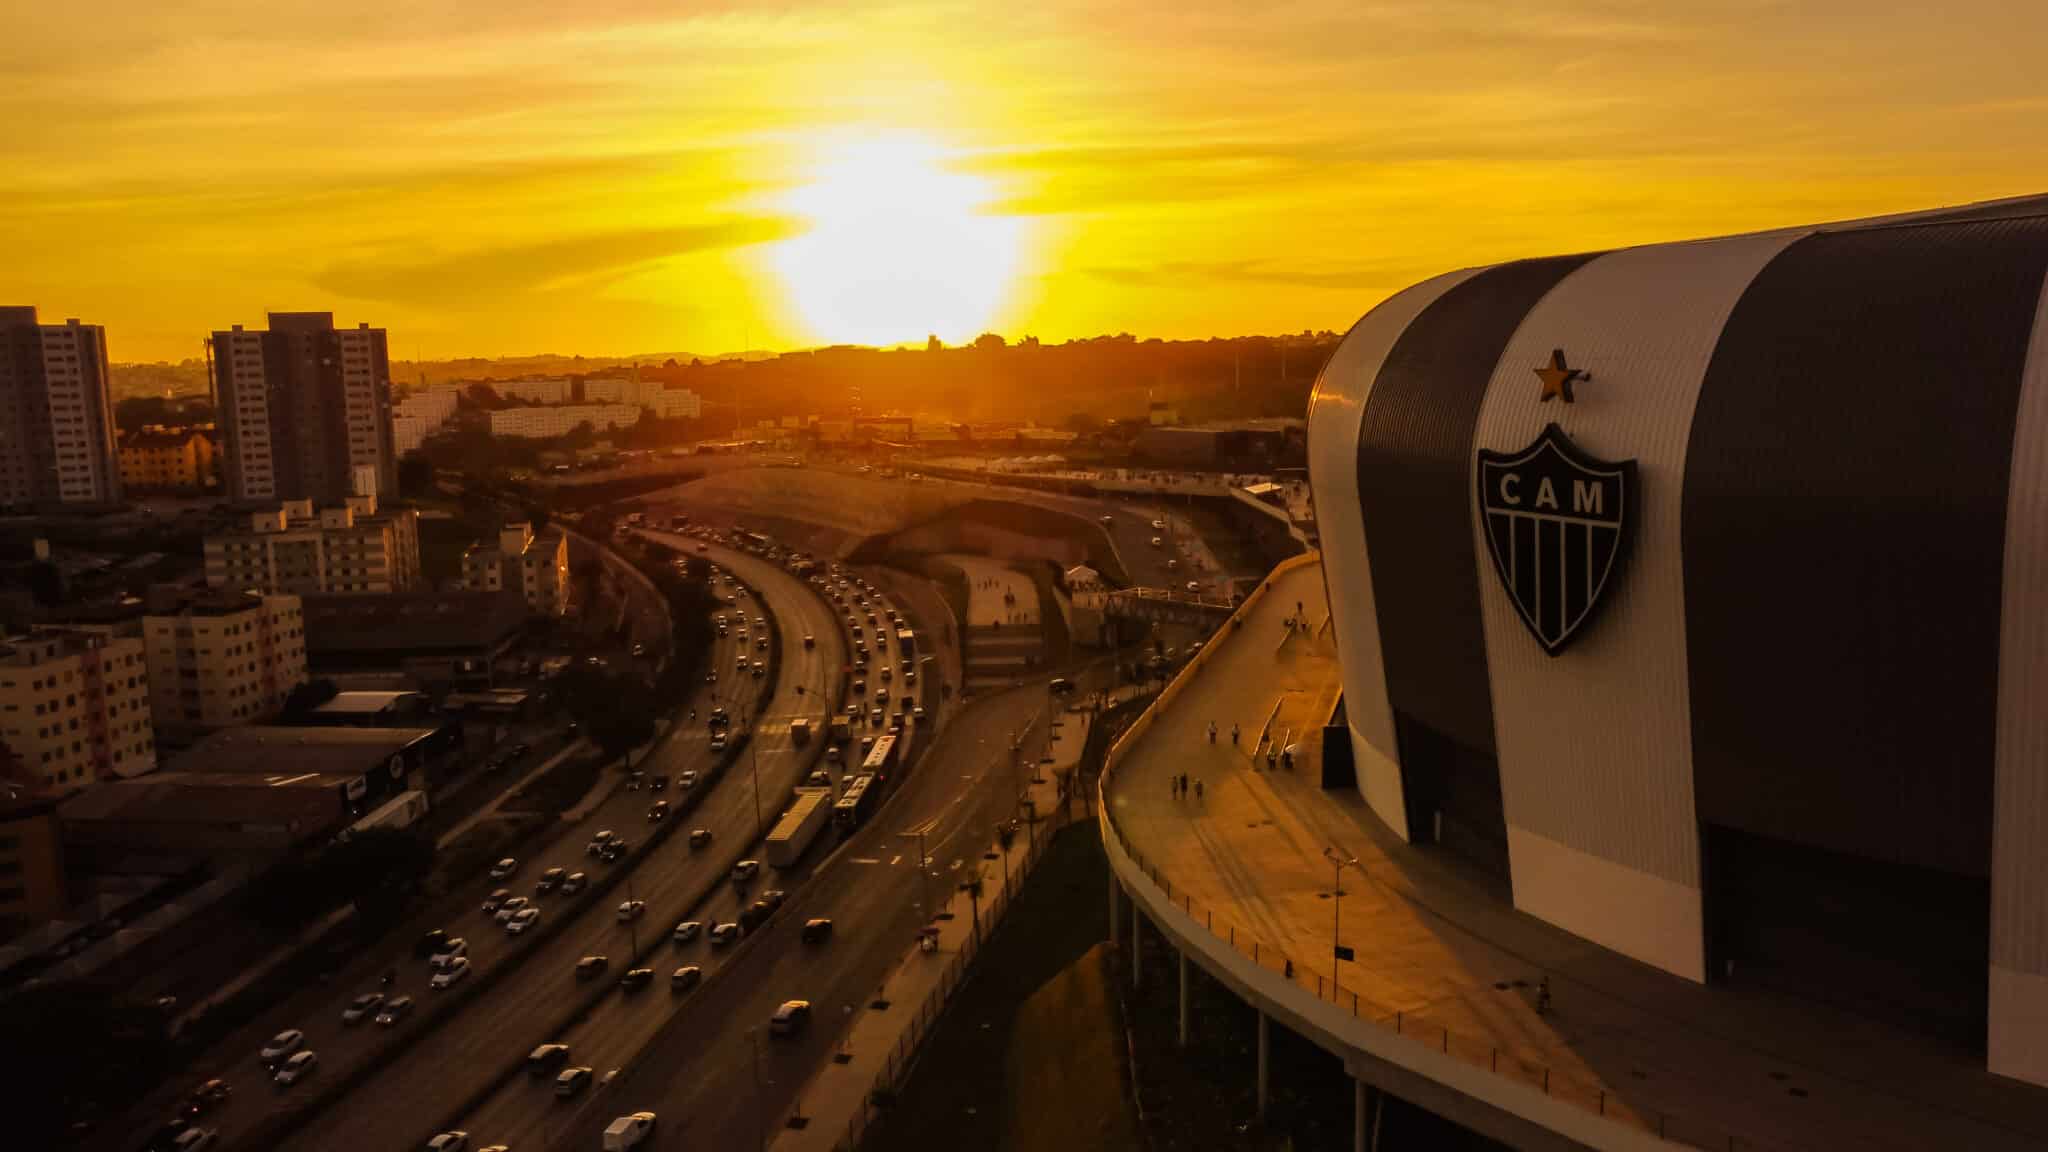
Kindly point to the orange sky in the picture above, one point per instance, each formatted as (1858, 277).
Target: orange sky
(614, 176)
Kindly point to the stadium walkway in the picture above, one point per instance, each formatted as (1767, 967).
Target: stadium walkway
(1444, 959)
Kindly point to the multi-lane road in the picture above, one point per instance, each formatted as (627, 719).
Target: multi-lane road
(403, 1102)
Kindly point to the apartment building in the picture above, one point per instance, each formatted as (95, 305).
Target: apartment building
(537, 423)
(667, 403)
(56, 413)
(168, 459)
(554, 391)
(74, 707)
(356, 547)
(304, 408)
(534, 565)
(222, 659)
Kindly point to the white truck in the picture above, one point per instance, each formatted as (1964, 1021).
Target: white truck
(800, 731)
(799, 826)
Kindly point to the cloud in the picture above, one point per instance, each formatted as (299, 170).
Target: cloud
(482, 277)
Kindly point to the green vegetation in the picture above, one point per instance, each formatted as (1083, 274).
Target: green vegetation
(615, 709)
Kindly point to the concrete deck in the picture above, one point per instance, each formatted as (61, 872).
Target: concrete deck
(1445, 962)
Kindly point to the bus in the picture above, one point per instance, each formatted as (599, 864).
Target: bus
(881, 758)
(906, 644)
(854, 804)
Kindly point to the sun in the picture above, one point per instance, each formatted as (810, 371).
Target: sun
(898, 245)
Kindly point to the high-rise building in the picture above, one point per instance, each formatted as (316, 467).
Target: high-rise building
(56, 415)
(74, 707)
(222, 659)
(354, 548)
(302, 407)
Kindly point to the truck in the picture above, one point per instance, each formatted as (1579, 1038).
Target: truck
(401, 811)
(799, 826)
(841, 732)
(800, 731)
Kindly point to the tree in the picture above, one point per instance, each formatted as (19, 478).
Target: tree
(933, 344)
(378, 870)
(989, 342)
(616, 711)
(415, 476)
(93, 1050)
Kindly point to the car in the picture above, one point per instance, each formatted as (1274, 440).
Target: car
(1173, 565)
(1061, 685)
(631, 910)
(282, 1045)
(699, 837)
(1106, 518)
(522, 920)
(635, 979)
(917, 712)
(395, 1009)
(635, 780)
(451, 973)
(719, 717)
(588, 967)
(742, 662)
(685, 978)
(1159, 525)
(658, 812)
(297, 1068)
(362, 1008)
(882, 694)
(817, 930)
(658, 782)
(1158, 543)
(549, 881)
(718, 742)
(571, 1081)
(745, 870)
(810, 641)
(639, 649)
(504, 868)
(819, 779)
(759, 670)
(518, 750)
(910, 676)
(457, 1141)
(546, 1058)
(756, 914)
(614, 850)
(723, 934)
(876, 717)
(761, 644)
(497, 899)
(896, 723)
(510, 908)
(430, 943)
(573, 883)
(686, 779)
(207, 1097)
(833, 755)
(867, 744)
(774, 897)
(790, 1019)
(687, 931)
(194, 1140)
(860, 687)
(628, 1132)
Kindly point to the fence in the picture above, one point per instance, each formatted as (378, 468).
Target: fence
(903, 1055)
(1519, 1066)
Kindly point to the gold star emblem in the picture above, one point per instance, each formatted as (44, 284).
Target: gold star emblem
(1558, 379)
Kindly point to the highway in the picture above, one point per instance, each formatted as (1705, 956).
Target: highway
(400, 1104)
(700, 1074)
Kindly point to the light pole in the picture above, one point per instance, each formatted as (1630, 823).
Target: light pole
(1338, 953)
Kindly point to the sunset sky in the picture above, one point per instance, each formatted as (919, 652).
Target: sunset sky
(489, 177)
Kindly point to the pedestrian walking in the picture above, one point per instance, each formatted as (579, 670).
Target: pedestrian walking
(1198, 790)
(1233, 735)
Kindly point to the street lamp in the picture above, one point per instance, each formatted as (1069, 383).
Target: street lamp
(1338, 953)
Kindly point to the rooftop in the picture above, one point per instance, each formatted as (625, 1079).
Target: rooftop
(411, 622)
(268, 750)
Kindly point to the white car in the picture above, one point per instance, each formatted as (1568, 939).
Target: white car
(631, 910)
(297, 1068)
(451, 973)
(362, 1008)
(282, 1045)
(1158, 543)
(598, 842)
(1194, 585)
(687, 931)
(723, 934)
(497, 899)
(457, 1141)
(504, 868)
(511, 907)
(628, 1132)
(686, 779)
(1159, 525)
(523, 919)
(573, 883)
(746, 869)
(449, 953)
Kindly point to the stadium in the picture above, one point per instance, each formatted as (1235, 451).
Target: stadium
(1699, 593)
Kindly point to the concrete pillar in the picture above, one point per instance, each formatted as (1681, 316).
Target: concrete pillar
(1359, 1107)
(1136, 947)
(1263, 1023)
(1116, 931)
(1183, 998)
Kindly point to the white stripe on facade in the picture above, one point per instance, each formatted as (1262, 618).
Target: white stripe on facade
(1335, 414)
(1595, 744)
(2017, 1044)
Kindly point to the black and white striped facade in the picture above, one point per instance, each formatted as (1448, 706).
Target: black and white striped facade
(1803, 736)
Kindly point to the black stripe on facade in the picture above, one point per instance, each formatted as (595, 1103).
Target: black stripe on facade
(1415, 492)
(1843, 535)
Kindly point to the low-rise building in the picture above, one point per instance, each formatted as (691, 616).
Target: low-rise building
(31, 860)
(74, 708)
(179, 459)
(551, 391)
(440, 640)
(562, 419)
(223, 659)
(533, 565)
(354, 548)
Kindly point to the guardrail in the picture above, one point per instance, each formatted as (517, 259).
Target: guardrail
(1269, 964)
